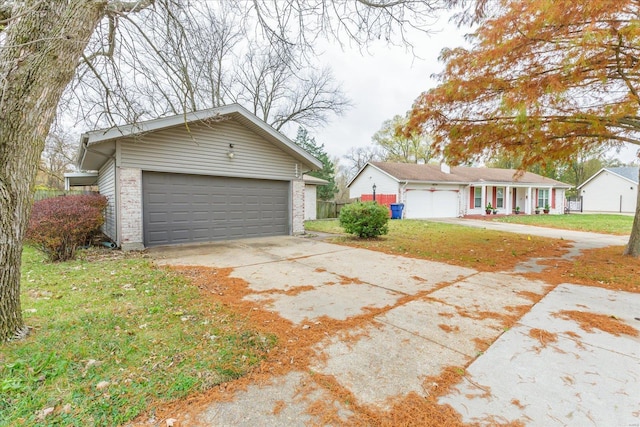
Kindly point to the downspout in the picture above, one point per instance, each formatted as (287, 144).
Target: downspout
(403, 197)
(83, 151)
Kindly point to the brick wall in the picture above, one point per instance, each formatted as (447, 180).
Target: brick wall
(297, 207)
(130, 183)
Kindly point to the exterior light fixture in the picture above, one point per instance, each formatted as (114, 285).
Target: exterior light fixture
(231, 154)
(374, 192)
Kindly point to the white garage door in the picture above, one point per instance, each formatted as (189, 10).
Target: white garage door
(431, 204)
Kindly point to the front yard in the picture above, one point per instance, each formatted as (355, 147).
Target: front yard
(469, 247)
(113, 337)
(494, 251)
(597, 223)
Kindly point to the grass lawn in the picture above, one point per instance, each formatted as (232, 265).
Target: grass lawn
(490, 250)
(114, 336)
(598, 223)
(470, 247)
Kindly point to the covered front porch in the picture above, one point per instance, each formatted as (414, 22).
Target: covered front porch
(512, 199)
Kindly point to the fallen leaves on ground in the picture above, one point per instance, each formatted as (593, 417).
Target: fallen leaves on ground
(590, 321)
(604, 268)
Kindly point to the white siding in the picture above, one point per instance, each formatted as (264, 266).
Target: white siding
(107, 187)
(560, 202)
(363, 184)
(609, 193)
(310, 197)
(203, 150)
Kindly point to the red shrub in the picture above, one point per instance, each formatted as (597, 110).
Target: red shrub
(59, 225)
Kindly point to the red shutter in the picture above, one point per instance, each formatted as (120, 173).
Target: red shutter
(553, 198)
(495, 198)
(536, 205)
(472, 198)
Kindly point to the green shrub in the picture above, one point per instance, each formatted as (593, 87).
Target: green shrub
(365, 220)
(60, 224)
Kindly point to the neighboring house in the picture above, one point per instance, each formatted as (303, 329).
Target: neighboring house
(311, 195)
(611, 190)
(440, 191)
(209, 175)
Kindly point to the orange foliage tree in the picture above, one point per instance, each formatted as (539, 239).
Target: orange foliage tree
(543, 80)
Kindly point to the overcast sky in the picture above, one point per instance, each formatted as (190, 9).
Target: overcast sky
(385, 83)
(381, 84)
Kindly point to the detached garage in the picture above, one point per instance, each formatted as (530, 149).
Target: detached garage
(211, 175)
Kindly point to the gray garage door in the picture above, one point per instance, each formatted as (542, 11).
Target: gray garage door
(180, 208)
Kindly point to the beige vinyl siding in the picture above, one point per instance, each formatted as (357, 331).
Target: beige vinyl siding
(107, 186)
(204, 149)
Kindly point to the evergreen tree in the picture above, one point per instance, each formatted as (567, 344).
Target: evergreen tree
(308, 143)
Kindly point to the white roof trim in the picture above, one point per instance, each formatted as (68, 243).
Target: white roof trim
(81, 179)
(592, 177)
(313, 180)
(375, 167)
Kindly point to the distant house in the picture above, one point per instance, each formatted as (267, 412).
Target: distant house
(612, 190)
(208, 175)
(440, 191)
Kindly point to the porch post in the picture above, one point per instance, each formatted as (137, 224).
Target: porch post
(507, 200)
(527, 208)
(484, 197)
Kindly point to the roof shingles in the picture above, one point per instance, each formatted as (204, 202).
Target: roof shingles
(629, 172)
(460, 174)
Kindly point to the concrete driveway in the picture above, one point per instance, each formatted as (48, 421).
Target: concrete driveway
(433, 316)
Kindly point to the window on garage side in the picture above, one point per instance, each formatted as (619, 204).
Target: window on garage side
(543, 197)
(477, 197)
(500, 197)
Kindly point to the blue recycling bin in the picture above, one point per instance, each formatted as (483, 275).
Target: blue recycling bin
(396, 210)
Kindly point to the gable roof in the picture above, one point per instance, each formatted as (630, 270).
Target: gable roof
(92, 160)
(630, 173)
(460, 175)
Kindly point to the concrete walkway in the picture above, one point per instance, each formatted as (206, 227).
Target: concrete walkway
(582, 238)
(433, 315)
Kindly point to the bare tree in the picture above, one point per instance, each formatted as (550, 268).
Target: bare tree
(279, 94)
(200, 58)
(58, 157)
(44, 43)
(357, 157)
(341, 179)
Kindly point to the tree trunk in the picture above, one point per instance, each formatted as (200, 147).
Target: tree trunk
(633, 247)
(38, 58)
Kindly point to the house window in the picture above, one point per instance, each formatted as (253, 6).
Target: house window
(500, 197)
(543, 198)
(477, 197)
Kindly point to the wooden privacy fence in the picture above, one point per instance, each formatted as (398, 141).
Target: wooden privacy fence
(47, 194)
(327, 210)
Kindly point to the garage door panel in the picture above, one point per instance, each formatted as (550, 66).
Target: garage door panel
(180, 208)
(431, 204)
